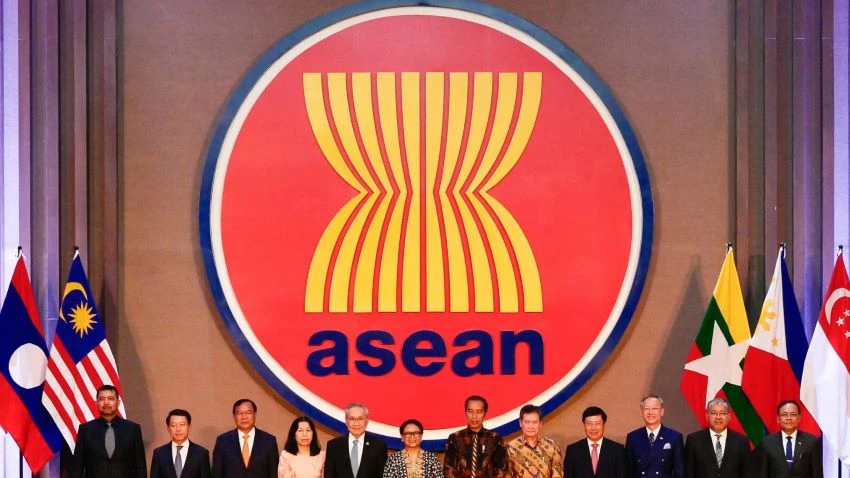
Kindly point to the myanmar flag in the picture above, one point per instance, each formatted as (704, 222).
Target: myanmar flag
(715, 362)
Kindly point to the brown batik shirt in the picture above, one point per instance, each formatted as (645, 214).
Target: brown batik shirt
(490, 454)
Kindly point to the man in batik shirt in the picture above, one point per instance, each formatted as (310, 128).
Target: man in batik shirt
(531, 455)
(475, 452)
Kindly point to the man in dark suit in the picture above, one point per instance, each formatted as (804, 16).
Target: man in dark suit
(655, 450)
(245, 451)
(790, 452)
(595, 455)
(356, 454)
(180, 458)
(109, 446)
(716, 452)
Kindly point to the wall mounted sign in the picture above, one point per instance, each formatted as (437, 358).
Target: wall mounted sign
(404, 205)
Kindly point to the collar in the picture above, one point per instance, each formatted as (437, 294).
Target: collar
(361, 440)
(591, 442)
(523, 441)
(185, 444)
(480, 432)
(713, 434)
(793, 437)
(657, 431)
(241, 435)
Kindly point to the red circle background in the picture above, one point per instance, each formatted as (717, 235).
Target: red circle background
(569, 193)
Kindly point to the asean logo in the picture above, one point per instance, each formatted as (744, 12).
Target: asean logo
(404, 205)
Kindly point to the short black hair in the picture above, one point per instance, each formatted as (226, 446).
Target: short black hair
(592, 412)
(241, 401)
(475, 398)
(410, 421)
(526, 409)
(788, 402)
(178, 412)
(291, 444)
(106, 388)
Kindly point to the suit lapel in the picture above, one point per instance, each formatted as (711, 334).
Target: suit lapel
(255, 450)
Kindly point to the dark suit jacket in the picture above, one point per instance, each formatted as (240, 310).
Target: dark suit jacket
(338, 459)
(700, 461)
(197, 463)
(612, 460)
(90, 459)
(806, 465)
(227, 456)
(664, 459)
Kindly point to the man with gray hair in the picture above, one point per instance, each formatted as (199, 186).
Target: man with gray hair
(716, 452)
(653, 449)
(355, 454)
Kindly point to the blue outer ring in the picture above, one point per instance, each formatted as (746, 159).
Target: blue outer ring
(545, 38)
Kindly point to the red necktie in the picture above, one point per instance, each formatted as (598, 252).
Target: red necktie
(594, 456)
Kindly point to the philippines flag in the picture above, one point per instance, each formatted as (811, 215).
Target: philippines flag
(80, 358)
(23, 356)
(825, 388)
(773, 366)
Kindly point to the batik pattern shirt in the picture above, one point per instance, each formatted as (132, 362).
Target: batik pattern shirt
(543, 460)
(490, 455)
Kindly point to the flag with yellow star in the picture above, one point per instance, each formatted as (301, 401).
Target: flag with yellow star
(80, 358)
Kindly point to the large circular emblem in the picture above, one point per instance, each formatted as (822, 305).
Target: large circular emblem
(404, 205)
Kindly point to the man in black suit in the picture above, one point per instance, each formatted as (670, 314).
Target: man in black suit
(790, 452)
(180, 458)
(595, 455)
(245, 451)
(716, 452)
(653, 449)
(356, 454)
(109, 446)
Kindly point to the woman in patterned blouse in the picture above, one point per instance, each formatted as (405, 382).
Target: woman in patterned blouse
(302, 456)
(412, 461)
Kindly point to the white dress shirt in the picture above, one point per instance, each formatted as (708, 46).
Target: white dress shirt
(598, 447)
(251, 435)
(361, 442)
(183, 451)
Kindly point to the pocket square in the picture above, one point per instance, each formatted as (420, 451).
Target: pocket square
(666, 446)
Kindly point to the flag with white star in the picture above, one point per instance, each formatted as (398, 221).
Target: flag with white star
(715, 363)
(80, 358)
(773, 366)
(825, 388)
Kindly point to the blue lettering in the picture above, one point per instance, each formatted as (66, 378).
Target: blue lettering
(509, 342)
(337, 353)
(411, 351)
(386, 357)
(483, 352)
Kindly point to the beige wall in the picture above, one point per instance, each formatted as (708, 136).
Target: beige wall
(668, 64)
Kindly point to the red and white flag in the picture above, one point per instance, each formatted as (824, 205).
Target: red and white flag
(825, 388)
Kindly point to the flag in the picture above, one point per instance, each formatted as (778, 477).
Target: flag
(713, 367)
(825, 387)
(23, 356)
(80, 358)
(773, 366)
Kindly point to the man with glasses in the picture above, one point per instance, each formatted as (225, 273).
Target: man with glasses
(475, 451)
(790, 452)
(531, 455)
(716, 451)
(245, 451)
(653, 449)
(356, 454)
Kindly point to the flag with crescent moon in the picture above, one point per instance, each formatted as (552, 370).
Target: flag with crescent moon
(80, 358)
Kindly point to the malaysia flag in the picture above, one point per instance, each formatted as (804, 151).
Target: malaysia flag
(825, 389)
(773, 365)
(23, 356)
(80, 358)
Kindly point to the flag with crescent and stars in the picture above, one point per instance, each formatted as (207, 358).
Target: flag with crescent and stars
(80, 358)
(23, 356)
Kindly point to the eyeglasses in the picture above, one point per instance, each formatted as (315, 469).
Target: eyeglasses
(719, 414)
(412, 434)
(355, 419)
(244, 414)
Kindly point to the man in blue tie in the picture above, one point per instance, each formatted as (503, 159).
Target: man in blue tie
(790, 452)
(653, 449)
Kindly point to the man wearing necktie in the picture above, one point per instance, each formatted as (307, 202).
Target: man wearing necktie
(180, 458)
(246, 451)
(595, 456)
(716, 451)
(108, 446)
(790, 452)
(356, 454)
(475, 452)
(654, 450)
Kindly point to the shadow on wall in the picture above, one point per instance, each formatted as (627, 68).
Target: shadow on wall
(668, 371)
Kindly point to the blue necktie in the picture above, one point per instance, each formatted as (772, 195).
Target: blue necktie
(789, 452)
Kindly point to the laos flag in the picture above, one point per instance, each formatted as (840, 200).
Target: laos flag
(23, 357)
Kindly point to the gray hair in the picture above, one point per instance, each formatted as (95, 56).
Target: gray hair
(651, 395)
(716, 401)
(356, 405)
